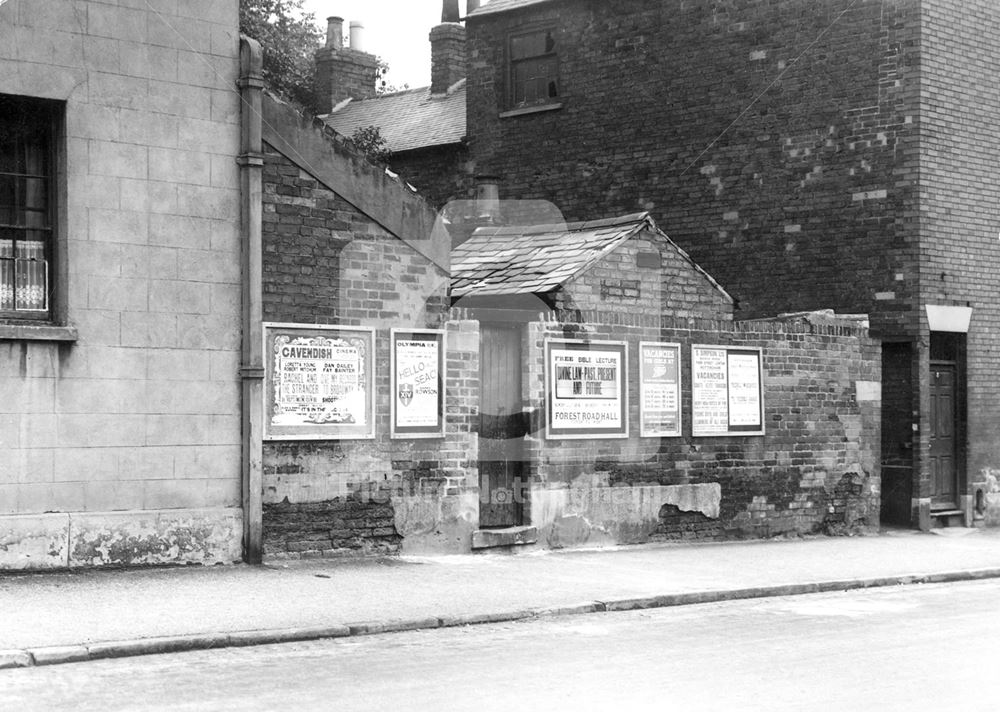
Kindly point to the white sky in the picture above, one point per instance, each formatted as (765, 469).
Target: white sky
(395, 30)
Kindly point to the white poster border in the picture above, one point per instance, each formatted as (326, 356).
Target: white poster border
(730, 431)
(317, 432)
(619, 347)
(644, 430)
(411, 432)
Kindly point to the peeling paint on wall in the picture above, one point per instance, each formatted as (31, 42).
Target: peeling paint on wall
(126, 538)
(595, 515)
(436, 524)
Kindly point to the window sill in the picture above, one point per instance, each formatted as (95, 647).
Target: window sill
(521, 111)
(41, 332)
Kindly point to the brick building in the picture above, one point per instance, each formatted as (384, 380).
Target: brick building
(423, 128)
(119, 284)
(808, 155)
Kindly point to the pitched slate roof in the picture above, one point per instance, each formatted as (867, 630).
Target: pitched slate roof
(535, 260)
(494, 6)
(408, 119)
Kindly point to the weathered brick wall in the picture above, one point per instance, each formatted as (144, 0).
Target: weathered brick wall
(132, 432)
(440, 173)
(770, 140)
(815, 469)
(326, 261)
(647, 276)
(959, 189)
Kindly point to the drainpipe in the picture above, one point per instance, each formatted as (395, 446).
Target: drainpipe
(251, 163)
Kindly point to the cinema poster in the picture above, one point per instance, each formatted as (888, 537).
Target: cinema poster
(417, 365)
(318, 382)
(586, 385)
(727, 394)
(659, 390)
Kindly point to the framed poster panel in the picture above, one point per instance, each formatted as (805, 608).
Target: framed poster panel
(727, 391)
(586, 389)
(319, 382)
(417, 365)
(659, 390)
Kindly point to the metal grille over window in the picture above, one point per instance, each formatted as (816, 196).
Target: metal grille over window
(534, 68)
(25, 208)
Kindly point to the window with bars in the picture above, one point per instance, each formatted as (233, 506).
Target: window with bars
(534, 68)
(26, 207)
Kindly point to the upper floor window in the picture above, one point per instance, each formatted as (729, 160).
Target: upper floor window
(26, 208)
(534, 68)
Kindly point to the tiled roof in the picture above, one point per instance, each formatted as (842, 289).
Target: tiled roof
(535, 260)
(408, 119)
(494, 6)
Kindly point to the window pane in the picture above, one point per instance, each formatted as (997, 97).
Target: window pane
(7, 207)
(25, 205)
(31, 289)
(535, 80)
(6, 275)
(527, 45)
(532, 45)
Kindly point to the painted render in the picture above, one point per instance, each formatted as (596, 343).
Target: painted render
(120, 420)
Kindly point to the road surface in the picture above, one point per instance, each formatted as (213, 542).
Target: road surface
(903, 648)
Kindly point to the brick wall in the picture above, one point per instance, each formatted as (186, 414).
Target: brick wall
(439, 173)
(815, 469)
(770, 140)
(958, 194)
(128, 429)
(327, 261)
(648, 276)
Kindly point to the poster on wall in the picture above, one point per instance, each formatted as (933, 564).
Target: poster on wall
(417, 368)
(318, 382)
(726, 391)
(659, 390)
(586, 386)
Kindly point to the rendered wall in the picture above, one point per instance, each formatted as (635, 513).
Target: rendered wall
(123, 446)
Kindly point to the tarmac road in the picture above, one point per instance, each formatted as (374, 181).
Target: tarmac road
(903, 648)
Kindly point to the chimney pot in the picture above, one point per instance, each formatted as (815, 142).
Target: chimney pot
(487, 197)
(357, 36)
(449, 11)
(334, 33)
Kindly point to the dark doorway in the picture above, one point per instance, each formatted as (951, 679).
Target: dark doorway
(897, 433)
(502, 426)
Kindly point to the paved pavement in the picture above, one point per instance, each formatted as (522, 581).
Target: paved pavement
(49, 618)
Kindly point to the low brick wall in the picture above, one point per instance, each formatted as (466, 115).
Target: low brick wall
(339, 527)
(815, 470)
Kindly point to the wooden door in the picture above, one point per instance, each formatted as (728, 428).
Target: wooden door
(943, 447)
(501, 426)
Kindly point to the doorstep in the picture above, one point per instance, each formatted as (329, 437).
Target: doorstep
(508, 536)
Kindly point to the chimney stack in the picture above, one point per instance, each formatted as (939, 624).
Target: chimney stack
(471, 6)
(343, 72)
(447, 49)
